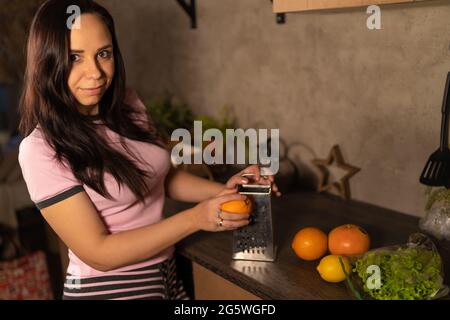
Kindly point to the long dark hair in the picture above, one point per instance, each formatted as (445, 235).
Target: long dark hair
(46, 100)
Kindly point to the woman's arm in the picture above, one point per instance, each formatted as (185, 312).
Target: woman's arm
(79, 226)
(184, 186)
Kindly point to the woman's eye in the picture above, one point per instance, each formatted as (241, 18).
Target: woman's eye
(74, 57)
(104, 54)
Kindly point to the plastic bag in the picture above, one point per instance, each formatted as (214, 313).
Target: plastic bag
(403, 272)
(437, 220)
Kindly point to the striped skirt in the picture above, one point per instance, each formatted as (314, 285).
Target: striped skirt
(155, 282)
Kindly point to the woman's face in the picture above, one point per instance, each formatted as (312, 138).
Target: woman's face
(92, 62)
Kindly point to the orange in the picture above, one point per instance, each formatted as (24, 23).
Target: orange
(238, 206)
(310, 243)
(348, 239)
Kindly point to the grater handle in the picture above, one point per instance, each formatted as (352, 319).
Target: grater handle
(252, 175)
(254, 188)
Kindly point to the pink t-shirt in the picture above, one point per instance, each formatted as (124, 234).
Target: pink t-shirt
(49, 182)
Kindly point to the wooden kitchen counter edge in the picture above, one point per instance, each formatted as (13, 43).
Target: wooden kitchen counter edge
(289, 277)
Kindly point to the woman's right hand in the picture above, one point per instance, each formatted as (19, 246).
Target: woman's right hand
(207, 214)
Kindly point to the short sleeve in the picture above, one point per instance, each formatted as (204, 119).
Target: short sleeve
(47, 180)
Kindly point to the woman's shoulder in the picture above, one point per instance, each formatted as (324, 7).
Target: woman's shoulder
(46, 178)
(34, 147)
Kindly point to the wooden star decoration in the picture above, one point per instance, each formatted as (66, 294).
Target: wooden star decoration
(342, 185)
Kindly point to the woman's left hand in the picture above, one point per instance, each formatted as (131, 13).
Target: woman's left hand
(257, 178)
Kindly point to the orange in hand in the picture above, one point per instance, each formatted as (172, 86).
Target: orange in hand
(310, 243)
(238, 206)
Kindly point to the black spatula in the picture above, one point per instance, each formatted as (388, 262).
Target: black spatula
(437, 170)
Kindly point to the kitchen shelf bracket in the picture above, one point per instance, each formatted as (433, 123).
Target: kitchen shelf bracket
(280, 17)
(190, 10)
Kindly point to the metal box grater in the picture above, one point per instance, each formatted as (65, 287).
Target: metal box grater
(256, 240)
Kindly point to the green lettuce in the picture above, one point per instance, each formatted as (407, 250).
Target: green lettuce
(406, 273)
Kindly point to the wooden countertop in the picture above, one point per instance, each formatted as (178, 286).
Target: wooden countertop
(289, 277)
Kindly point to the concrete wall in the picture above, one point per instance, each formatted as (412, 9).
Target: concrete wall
(323, 78)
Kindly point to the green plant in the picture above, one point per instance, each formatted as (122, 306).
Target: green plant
(224, 121)
(169, 114)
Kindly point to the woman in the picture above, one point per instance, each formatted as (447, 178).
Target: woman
(97, 170)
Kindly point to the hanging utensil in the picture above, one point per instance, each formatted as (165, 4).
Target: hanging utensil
(437, 170)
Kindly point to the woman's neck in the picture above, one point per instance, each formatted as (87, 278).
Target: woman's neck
(88, 110)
